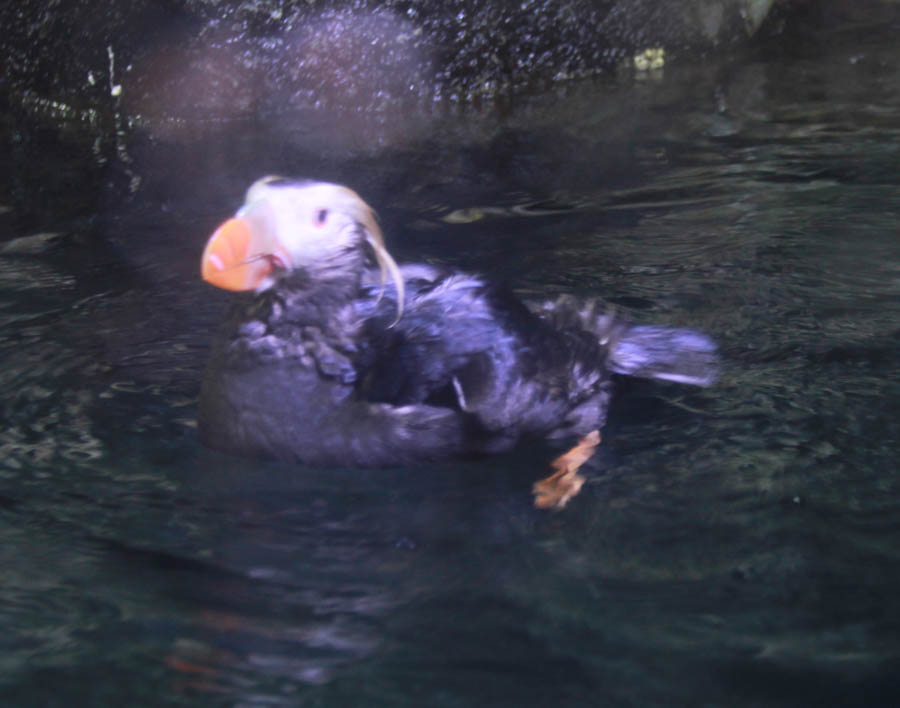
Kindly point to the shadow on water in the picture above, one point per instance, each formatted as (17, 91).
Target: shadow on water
(734, 546)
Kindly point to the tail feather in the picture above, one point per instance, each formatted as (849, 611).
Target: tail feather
(680, 355)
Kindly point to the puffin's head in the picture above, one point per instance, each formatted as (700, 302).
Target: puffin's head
(285, 225)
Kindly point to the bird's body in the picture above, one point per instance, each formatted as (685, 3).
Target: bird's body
(328, 365)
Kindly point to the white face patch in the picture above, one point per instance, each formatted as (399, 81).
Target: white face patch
(309, 221)
(315, 223)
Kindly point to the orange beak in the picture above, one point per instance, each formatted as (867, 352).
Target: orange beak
(235, 257)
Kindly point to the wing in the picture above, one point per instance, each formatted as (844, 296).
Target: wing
(476, 347)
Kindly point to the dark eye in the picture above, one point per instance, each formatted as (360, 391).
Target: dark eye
(320, 217)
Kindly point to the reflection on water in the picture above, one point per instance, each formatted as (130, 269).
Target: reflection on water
(734, 546)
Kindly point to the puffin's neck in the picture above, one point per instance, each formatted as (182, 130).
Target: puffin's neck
(317, 296)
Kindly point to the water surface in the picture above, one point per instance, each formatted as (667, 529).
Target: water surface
(734, 546)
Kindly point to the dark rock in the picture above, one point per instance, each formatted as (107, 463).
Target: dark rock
(162, 60)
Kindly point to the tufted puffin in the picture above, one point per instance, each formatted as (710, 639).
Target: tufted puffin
(338, 356)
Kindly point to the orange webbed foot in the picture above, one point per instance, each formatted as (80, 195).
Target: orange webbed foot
(555, 491)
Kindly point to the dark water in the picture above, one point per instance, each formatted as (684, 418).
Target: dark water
(735, 546)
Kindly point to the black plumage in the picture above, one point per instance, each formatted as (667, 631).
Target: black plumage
(324, 366)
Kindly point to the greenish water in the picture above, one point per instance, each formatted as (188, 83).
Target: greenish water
(735, 546)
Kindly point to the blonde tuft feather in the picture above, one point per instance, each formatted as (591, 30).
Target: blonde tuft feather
(364, 214)
(387, 263)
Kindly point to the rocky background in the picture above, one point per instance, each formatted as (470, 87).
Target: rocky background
(164, 59)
